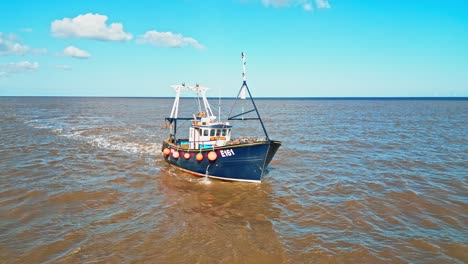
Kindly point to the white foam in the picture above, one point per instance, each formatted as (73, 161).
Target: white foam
(110, 140)
(39, 124)
(115, 143)
(206, 181)
(130, 147)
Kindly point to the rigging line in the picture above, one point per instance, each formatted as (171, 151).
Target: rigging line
(256, 110)
(195, 101)
(235, 102)
(243, 113)
(221, 114)
(183, 123)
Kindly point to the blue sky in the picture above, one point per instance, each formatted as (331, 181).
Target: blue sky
(293, 47)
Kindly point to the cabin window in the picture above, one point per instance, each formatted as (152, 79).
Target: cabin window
(212, 133)
(205, 132)
(224, 132)
(218, 132)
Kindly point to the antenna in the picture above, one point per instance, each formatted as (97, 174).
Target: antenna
(219, 105)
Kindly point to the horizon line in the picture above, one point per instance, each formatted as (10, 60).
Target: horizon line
(257, 98)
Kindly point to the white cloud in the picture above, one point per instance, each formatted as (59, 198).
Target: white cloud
(13, 37)
(9, 68)
(10, 46)
(322, 4)
(306, 4)
(168, 39)
(277, 3)
(307, 7)
(90, 26)
(75, 52)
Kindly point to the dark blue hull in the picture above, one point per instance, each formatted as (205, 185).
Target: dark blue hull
(242, 162)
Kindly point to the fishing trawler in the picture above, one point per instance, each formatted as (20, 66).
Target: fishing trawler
(210, 150)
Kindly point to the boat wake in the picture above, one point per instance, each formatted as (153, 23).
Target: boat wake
(117, 143)
(206, 179)
(109, 138)
(177, 174)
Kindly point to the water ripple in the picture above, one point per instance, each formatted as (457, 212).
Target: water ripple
(82, 180)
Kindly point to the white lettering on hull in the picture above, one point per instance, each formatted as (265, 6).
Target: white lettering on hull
(227, 153)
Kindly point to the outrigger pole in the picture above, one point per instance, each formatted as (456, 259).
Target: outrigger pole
(175, 111)
(242, 94)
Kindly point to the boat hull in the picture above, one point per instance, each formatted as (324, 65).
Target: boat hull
(242, 162)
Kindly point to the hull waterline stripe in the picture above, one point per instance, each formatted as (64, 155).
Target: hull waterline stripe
(211, 176)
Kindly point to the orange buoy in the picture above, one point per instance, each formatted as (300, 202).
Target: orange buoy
(166, 152)
(199, 157)
(212, 156)
(175, 154)
(187, 155)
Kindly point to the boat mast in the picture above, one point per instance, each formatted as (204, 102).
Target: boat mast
(243, 91)
(175, 106)
(208, 110)
(244, 77)
(175, 111)
(243, 94)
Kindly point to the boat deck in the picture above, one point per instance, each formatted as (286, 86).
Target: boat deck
(230, 143)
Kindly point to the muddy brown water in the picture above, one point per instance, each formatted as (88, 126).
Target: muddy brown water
(82, 180)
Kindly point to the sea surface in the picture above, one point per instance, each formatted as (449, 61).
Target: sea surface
(82, 180)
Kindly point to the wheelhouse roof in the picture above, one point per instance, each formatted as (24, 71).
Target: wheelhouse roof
(213, 126)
